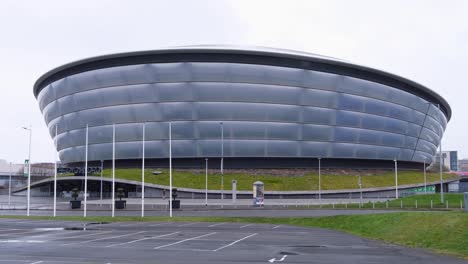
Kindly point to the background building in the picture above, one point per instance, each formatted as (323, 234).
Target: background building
(449, 160)
(254, 107)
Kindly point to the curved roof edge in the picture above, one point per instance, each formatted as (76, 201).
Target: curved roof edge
(270, 56)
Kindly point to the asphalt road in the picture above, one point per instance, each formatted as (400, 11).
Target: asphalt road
(46, 242)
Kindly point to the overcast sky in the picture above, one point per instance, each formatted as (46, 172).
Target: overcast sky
(425, 41)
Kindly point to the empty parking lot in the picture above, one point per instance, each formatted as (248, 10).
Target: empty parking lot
(44, 241)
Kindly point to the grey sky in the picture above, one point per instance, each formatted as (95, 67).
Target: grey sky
(425, 41)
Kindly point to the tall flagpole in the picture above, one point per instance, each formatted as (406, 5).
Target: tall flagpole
(143, 174)
(86, 173)
(319, 183)
(170, 169)
(222, 163)
(9, 187)
(55, 173)
(29, 171)
(113, 170)
(440, 167)
(206, 181)
(425, 184)
(396, 178)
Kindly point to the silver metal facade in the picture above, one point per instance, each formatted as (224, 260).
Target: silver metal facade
(267, 111)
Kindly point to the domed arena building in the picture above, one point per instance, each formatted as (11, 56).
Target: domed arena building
(255, 108)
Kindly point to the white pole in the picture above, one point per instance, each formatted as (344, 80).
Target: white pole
(425, 181)
(29, 171)
(206, 182)
(222, 163)
(9, 187)
(143, 174)
(360, 190)
(86, 173)
(102, 171)
(319, 183)
(396, 179)
(440, 168)
(113, 170)
(170, 169)
(55, 173)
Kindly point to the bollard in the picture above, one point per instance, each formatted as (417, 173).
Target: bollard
(431, 204)
(346, 205)
(416, 204)
(373, 205)
(466, 201)
(401, 204)
(446, 204)
(333, 205)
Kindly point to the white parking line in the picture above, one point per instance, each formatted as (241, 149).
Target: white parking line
(137, 240)
(127, 224)
(158, 224)
(216, 224)
(276, 227)
(188, 224)
(9, 229)
(237, 241)
(104, 238)
(86, 235)
(188, 239)
(20, 233)
(245, 225)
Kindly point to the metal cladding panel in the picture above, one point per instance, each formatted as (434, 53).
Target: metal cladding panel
(267, 111)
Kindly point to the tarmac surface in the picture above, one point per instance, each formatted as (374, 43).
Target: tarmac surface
(27, 241)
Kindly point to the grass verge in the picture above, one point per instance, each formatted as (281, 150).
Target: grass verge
(442, 232)
(308, 181)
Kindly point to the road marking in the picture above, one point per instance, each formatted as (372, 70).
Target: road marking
(37, 262)
(10, 229)
(160, 224)
(127, 224)
(188, 239)
(245, 225)
(22, 241)
(237, 241)
(105, 238)
(279, 260)
(276, 227)
(93, 234)
(146, 238)
(216, 224)
(188, 224)
(20, 233)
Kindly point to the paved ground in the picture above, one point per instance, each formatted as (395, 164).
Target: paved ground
(200, 212)
(43, 242)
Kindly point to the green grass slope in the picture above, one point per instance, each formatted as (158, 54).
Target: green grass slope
(308, 181)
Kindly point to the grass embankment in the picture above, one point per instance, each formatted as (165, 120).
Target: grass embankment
(309, 181)
(442, 232)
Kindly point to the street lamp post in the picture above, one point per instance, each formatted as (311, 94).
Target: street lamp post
(29, 170)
